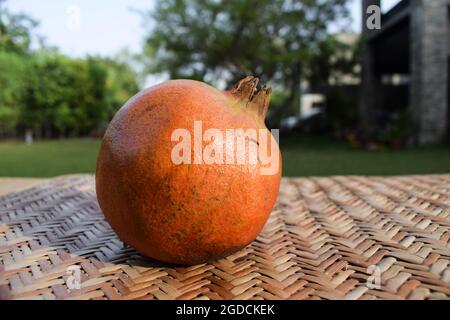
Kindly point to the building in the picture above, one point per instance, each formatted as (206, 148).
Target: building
(406, 64)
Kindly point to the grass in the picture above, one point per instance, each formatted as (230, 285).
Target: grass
(318, 157)
(301, 157)
(48, 158)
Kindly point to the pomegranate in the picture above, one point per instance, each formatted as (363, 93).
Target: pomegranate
(181, 204)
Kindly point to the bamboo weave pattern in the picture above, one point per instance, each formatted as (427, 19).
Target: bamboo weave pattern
(327, 238)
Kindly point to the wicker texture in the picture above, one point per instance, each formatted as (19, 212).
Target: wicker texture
(322, 240)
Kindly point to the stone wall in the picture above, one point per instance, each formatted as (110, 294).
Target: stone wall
(429, 70)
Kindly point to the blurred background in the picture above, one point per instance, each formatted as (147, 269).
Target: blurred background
(348, 100)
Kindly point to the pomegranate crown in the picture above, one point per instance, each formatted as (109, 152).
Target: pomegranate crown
(254, 97)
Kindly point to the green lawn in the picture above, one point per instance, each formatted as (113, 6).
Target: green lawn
(317, 157)
(48, 158)
(303, 157)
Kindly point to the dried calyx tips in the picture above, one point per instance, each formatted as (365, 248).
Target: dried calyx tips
(254, 97)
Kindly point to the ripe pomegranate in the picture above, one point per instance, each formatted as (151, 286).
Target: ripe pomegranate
(189, 212)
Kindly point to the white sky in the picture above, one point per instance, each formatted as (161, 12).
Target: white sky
(105, 26)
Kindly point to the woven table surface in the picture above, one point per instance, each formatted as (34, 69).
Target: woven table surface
(327, 238)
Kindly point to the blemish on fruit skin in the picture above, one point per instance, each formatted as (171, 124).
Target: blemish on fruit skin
(186, 214)
(179, 236)
(216, 199)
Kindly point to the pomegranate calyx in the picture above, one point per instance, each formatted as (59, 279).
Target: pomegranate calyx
(255, 99)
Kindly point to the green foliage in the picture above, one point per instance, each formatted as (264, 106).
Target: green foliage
(15, 31)
(219, 41)
(121, 83)
(223, 40)
(53, 94)
(76, 96)
(58, 91)
(13, 77)
(336, 60)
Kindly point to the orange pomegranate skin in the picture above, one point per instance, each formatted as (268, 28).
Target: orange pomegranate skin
(183, 214)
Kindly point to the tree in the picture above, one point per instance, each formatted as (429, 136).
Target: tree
(15, 31)
(14, 72)
(220, 41)
(57, 90)
(75, 97)
(52, 94)
(15, 39)
(335, 72)
(121, 84)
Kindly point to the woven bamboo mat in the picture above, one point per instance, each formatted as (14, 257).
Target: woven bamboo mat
(327, 238)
